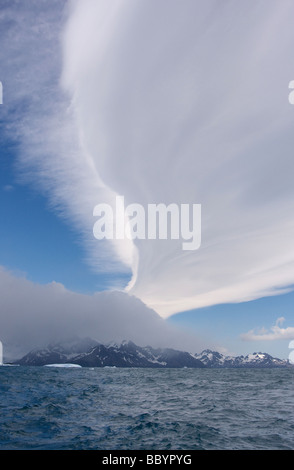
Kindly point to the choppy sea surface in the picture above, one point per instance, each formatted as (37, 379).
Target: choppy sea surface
(149, 409)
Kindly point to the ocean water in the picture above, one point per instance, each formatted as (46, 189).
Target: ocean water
(149, 409)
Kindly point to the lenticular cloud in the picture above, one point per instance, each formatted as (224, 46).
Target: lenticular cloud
(187, 103)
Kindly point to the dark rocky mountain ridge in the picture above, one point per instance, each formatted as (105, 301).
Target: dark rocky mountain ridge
(90, 353)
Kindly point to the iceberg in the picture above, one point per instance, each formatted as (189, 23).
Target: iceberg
(63, 365)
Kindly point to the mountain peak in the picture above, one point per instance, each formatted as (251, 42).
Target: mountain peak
(89, 353)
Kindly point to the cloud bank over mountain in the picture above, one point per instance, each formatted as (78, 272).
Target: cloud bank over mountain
(34, 315)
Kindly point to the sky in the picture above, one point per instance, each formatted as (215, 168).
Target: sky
(158, 102)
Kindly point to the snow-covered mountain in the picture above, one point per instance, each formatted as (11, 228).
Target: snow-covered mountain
(57, 353)
(90, 353)
(126, 354)
(214, 359)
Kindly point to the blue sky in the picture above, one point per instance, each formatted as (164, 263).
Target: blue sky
(226, 324)
(95, 106)
(34, 240)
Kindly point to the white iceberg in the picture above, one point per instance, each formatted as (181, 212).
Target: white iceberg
(62, 365)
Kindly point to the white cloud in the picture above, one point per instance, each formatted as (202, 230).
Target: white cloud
(189, 104)
(165, 102)
(39, 116)
(276, 332)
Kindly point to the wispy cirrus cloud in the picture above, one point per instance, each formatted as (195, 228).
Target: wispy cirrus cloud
(39, 116)
(188, 103)
(163, 102)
